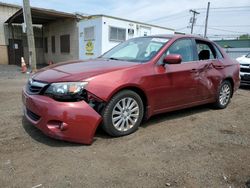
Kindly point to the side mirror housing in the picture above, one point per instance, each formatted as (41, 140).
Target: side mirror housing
(172, 59)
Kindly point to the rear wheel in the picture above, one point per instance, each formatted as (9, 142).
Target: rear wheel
(123, 114)
(224, 95)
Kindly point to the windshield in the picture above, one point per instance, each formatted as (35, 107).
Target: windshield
(248, 55)
(137, 49)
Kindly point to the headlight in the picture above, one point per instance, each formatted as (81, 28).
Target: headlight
(67, 91)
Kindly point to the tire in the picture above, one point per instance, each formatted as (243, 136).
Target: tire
(224, 95)
(123, 114)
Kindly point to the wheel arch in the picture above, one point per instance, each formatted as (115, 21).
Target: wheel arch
(137, 90)
(230, 79)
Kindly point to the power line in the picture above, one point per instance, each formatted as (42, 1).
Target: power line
(202, 11)
(181, 14)
(225, 25)
(212, 28)
(169, 16)
(227, 10)
(177, 18)
(233, 7)
(218, 29)
(222, 11)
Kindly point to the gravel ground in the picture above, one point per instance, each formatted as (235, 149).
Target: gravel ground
(197, 147)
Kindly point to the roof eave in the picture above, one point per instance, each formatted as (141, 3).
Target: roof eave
(123, 19)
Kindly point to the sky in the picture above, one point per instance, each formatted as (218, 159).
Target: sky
(227, 18)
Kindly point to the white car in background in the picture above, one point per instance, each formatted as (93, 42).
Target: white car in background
(244, 69)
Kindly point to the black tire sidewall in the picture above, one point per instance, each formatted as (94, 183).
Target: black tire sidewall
(107, 113)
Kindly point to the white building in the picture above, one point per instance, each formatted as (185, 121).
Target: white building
(61, 36)
(99, 33)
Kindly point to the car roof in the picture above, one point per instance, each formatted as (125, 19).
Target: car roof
(177, 36)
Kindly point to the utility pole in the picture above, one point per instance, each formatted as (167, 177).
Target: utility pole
(208, 7)
(30, 34)
(193, 19)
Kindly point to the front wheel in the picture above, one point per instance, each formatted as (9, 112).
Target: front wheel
(123, 114)
(224, 95)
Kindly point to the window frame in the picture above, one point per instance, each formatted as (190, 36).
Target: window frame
(160, 61)
(117, 40)
(84, 36)
(210, 45)
(217, 50)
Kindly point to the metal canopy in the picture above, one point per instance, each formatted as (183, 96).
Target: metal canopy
(40, 16)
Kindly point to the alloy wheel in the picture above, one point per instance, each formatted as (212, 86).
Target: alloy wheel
(225, 94)
(125, 114)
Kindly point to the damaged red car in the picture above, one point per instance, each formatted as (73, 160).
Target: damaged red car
(138, 78)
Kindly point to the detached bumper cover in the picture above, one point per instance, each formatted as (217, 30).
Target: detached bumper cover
(78, 118)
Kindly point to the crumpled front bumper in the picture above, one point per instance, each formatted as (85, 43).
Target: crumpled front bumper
(70, 121)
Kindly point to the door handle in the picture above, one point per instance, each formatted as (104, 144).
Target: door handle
(218, 66)
(194, 70)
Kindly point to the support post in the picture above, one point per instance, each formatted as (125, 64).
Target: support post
(205, 32)
(193, 19)
(12, 43)
(30, 34)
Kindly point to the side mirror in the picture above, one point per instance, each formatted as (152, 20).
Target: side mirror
(172, 59)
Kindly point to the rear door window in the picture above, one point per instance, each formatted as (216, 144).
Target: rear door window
(205, 50)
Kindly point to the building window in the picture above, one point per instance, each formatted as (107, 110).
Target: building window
(89, 33)
(117, 34)
(46, 45)
(53, 44)
(65, 43)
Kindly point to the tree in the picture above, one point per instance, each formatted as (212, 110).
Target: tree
(245, 36)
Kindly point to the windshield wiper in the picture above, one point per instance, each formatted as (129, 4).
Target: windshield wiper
(113, 58)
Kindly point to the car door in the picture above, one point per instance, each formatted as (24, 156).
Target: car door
(209, 69)
(177, 83)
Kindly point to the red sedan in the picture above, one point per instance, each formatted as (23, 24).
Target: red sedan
(133, 81)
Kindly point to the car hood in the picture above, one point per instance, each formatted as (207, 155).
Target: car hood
(243, 60)
(79, 70)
